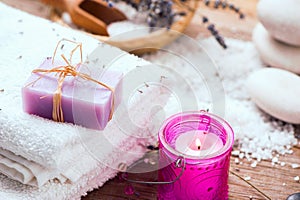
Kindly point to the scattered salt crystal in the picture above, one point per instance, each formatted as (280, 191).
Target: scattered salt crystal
(241, 163)
(284, 184)
(275, 160)
(254, 164)
(66, 18)
(247, 178)
(296, 178)
(282, 164)
(235, 153)
(295, 166)
(248, 157)
(290, 151)
(236, 161)
(241, 155)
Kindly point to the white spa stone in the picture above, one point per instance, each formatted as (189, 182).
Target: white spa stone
(277, 92)
(275, 53)
(281, 19)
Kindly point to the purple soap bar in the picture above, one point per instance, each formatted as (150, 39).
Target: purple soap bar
(83, 102)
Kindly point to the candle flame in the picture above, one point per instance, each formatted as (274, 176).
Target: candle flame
(198, 143)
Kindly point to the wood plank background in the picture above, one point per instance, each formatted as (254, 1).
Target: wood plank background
(275, 181)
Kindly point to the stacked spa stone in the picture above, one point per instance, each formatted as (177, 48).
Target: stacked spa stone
(276, 90)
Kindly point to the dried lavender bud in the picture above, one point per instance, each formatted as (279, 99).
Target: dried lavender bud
(224, 4)
(221, 41)
(217, 3)
(211, 27)
(161, 14)
(236, 9)
(110, 4)
(214, 32)
(204, 19)
(181, 13)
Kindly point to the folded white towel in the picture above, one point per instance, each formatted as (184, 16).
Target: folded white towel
(106, 148)
(14, 190)
(35, 150)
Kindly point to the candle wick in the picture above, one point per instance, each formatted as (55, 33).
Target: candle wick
(199, 147)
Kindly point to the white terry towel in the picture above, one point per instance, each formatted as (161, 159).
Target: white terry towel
(35, 150)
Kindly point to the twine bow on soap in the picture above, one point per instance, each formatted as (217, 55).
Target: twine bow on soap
(63, 72)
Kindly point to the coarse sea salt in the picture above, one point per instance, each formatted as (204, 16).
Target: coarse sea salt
(282, 164)
(236, 160)
(253, 165)
(295, 166)
(275, 160)
(258, 136)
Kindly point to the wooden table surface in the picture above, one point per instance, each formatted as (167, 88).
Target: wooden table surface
(275, 181)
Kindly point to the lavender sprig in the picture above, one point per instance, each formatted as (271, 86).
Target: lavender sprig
(224, 4)
(160, 13)
(215, 33)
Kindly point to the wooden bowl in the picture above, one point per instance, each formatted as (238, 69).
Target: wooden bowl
(154, 40)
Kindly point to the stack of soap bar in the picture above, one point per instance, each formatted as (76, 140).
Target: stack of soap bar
(84, 102)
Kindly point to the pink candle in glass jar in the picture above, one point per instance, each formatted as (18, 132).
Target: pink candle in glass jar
(204, 142)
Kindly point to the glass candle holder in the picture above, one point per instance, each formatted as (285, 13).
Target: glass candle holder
(204, 142)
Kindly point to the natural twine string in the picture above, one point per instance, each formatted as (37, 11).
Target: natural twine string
(63, 72)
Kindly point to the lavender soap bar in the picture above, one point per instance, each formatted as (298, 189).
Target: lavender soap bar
(83, 101)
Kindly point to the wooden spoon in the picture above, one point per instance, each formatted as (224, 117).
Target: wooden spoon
(92, 15)
(155, 40)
